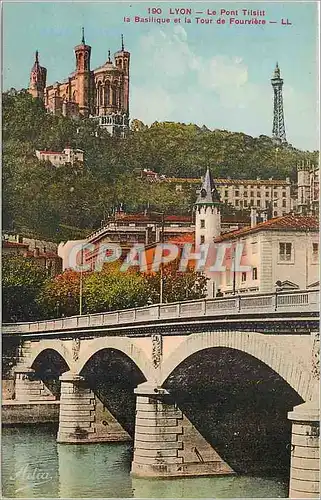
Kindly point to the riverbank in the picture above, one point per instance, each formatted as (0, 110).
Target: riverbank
(39, 412)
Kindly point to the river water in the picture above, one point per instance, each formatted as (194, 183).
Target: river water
(35, 466)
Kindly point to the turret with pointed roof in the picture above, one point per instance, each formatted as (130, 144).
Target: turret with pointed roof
(207, 217)
(208, 194)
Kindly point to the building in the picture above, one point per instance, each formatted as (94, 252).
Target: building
(101, 93)
(58, 158)
(143, 228)
(264, 194)
(281, 253)
(45, 253)
(308, 192)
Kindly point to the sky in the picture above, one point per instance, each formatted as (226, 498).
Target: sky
(213, 74)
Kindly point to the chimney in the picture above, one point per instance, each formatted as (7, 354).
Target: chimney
(253, 217)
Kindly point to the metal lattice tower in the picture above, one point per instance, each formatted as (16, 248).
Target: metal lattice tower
(278, 131)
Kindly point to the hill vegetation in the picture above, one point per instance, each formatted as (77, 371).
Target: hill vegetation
(62, 203)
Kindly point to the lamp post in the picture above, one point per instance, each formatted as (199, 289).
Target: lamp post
(81, 281)
(234, 273)
(161, 284)
(161, 269)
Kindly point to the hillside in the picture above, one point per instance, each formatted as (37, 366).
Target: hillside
(62, 203)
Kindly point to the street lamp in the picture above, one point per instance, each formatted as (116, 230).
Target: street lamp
(161, 239)
(234, 273)
(81, 281)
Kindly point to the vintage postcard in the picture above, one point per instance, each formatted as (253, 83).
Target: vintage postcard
(160, 249)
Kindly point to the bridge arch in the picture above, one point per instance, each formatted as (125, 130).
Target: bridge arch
(53, 345)
(121, 344)
(289, 366)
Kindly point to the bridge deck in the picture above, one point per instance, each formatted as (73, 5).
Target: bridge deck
(258, 307)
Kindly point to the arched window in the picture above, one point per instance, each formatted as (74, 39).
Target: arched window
(114, 102)
(100, 94)
(107, 94)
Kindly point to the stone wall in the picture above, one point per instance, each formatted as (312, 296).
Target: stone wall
(14, 412)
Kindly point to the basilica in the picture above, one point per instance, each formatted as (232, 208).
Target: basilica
(101, 94)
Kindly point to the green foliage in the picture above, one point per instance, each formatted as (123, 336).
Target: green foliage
(60, 295)
(177, 286)
(48, 200)
(22, 280)
(28, 294)
(112, 289)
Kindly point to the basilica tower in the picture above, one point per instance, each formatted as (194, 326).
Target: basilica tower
(37, 79)
(83, 77)
(122, 59)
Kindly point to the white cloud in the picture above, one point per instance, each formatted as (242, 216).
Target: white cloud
(184, 86)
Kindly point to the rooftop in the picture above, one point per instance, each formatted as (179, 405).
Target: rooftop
(285, 223)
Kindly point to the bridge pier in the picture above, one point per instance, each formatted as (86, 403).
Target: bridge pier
(166, 443)
(82, 418)
(77, 406)
(305, 459)
(28, 388)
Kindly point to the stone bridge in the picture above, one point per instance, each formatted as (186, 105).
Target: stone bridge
(203, 373)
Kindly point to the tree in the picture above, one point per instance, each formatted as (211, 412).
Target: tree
(60, 295)
(177, 285)
(106, 290)
(22, 280)
(112, 289)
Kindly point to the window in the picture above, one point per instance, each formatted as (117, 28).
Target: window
(202, 223)
(237, 193)
(258, 194)
(237, 203)
(285, 251)
(251, 203)
(245, 203)
(275, 214)
(245, 194)
(284, 203)
(284, 194)
(243, 277)
(267, 194)
(254, 273)
(226, 194)
(202, 239)
(252, 194)
(275, 204)
(258, 203)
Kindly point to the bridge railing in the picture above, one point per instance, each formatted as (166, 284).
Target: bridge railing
(265, 304)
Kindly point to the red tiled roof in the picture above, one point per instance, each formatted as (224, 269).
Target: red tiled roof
(286, 223)
(181, 239)
(150, 217)
(14, 244)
